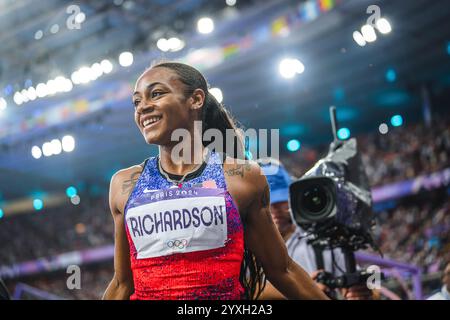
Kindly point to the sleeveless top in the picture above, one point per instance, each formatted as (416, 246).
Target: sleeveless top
(186, 242)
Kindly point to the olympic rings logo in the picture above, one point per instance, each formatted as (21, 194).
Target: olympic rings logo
(177, 244)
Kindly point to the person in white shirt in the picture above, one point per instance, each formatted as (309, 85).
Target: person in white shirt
(296, 238)
(444, 294)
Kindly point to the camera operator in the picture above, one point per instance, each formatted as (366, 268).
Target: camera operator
(296, 238)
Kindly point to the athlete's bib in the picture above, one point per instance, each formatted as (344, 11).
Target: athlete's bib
(169, 221)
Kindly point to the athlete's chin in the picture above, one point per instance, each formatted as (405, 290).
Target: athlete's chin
(149, 137)
(154, 137)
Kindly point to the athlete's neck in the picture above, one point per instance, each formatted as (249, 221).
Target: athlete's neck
(181, 161)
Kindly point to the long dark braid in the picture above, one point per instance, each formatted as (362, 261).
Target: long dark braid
(216, 116)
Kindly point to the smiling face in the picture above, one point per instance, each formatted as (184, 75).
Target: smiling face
(161, 105)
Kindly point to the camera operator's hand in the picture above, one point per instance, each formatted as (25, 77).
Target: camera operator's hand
(321, 286)
(358, 292)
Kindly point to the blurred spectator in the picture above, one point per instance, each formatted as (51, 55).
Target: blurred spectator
(444, 293)
(416, 233)
(55, 231)
(94, 280)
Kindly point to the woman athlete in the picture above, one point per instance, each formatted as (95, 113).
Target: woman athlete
(194, 231)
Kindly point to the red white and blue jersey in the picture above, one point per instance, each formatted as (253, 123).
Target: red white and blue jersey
(186, 242)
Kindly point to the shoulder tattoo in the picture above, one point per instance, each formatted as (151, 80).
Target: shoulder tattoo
(128, 185)
(239, 170)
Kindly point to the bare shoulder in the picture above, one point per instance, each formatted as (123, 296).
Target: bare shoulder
(247, 172)
(124, 178)
(245, 181)
(122, 184)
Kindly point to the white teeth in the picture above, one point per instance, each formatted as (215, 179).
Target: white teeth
(150, 121)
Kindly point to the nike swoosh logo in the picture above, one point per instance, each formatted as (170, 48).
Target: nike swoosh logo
(147, 190)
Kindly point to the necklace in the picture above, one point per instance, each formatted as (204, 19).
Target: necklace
(178, 183)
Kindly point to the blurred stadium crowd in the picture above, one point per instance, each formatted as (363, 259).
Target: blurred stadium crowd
(55, 231)
(402, 153)
(416, 230)
(418, 233)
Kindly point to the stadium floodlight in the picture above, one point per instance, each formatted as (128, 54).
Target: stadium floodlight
(175, 44)
(47, 149)
(163, 45)
(106, 66)
(56, 146)
(383, 128)
(217, 93)
(383, 26)
(36, 152)
(68, 143)
(24, 94)
(41, 90)
(205, 25)
(126, 59)
(293, 145)
(368, 33)
(3, 104)
(359, 39)
(289, 68)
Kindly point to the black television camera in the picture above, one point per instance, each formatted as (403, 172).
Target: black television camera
(333, 203)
